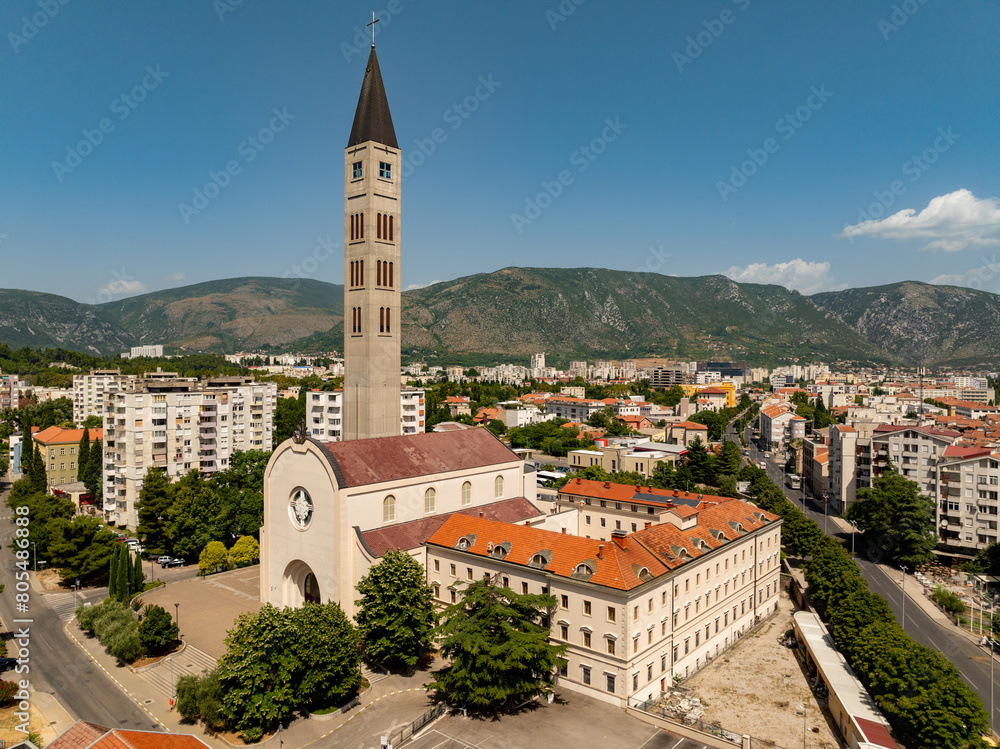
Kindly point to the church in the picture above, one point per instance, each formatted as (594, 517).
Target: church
(650, 586)
(331, 510)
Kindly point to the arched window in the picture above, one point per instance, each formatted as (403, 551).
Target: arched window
(466, 494)
(311, 589)
(389, 509)
(390, 228)
(430, 501)
(378, 226)
(381, 319)
(387, 325)
(498, 487)
(390, 274)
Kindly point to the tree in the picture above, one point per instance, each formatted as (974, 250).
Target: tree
(138, 576)
(395, 614)
(245, 552)
(605, 419)
(83, 455)
(157, 631)
(500, 655)
(280, 660)
(329, 656)
(194, 510)
(154, 511)
(240, 489)
(213, 558)
(497, 427)
(92, 470)
(289, 413)
(729, 460)
(80, 548)
(700, 462)
(896, 519)
(93, 421)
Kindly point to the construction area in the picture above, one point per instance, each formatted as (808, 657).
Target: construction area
(757, 688)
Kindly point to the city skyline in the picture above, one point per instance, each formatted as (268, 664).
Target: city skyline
(816, 148)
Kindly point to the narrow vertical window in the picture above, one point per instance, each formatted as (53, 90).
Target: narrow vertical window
(352, 228)
(378, 272)
(361, 273)
(359, 310)
(361, 225)
(381, 319)
(387, 312)
(390, 274)
(351, 271)
(390, 228)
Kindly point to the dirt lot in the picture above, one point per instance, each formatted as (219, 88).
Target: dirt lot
(36, 724)
(758, 688)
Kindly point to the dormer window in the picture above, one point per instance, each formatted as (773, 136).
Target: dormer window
(466, 542)
(541, 558)
(583, 569)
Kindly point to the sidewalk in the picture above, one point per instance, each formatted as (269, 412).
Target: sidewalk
(915, 592)
(388, 704)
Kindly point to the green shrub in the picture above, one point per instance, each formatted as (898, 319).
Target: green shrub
(201, 697)
(187, 697)
(125, 644)
(157, 631)
(948, 600)
(7, 691)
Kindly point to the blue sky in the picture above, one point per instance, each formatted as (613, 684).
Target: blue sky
(816, 145)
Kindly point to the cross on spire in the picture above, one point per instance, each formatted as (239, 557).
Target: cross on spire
(372, 24)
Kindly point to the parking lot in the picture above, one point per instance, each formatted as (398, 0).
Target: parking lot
(573, 721)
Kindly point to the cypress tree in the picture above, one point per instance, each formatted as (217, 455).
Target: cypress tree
(138, 579)
(113, 574)
(83, 455)
(124, 575)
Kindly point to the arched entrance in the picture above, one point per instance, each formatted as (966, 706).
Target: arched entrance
(299, 585)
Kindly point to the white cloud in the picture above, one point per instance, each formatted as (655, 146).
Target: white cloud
(121, 287)
(804, 277)
(950, 222)
(414, 286)
(174, 277)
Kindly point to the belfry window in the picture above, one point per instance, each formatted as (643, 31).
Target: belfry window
(356, 167)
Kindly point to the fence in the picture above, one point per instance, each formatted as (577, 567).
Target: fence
(407, 732)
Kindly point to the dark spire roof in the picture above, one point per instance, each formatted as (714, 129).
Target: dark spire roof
(372, 120)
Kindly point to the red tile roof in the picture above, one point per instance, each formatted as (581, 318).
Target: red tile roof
(612, 566)
(627, 493)
(717, 525)
(414, 533)
(689, 425)
(953, 451)
(372, 461)
(875, 733)
(59, 436)
(83, 735)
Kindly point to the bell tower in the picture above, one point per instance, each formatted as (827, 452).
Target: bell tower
(371, 266)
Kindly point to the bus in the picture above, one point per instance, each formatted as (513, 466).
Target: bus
(793, 481)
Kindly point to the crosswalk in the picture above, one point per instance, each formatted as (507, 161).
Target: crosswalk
(63, 604)
(191, 661)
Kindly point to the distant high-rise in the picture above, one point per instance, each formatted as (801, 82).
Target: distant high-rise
(371, 266)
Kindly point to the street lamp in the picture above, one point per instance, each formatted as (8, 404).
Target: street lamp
(903, 568)
(854, 531)
(991, 681)
(177, 618)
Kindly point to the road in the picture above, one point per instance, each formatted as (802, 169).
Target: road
(57, 664)
(973, 662)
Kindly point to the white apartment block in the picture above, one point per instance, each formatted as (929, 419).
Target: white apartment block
(90, 391)
(10, 391)
(779, 425)
(635, 611)
(179, 425)
(968, 482)
(325, 413)
(914, 452)
(152, 351)
(573, 409)
(538, 361)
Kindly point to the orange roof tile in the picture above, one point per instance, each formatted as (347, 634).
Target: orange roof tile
(612, 566)
(58, 436)
(607, 490)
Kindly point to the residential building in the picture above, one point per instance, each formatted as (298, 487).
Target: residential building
(179, 425)
(914, 452)
(455, 374)
(779, 425)
(10, 391)
(637, 610)
(324, 413)
(153, 352)
(686, 432)
(574, 391)
(537, 361)
(458, 405)
(842, 457)
(59, 448)
(968, 482)
(575, 409)
(89, 391)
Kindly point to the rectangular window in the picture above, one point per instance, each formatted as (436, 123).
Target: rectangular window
(384, 170)
(453, 596)
(437, 565)
(565, 602)
(524, 588)
(603, 524)
(635, 614)
(611, 647)
(586, 639)
(687, 644)
(453, 573)
(611, 683)
(586, 675)
(356, 167)
(564, 631)
(611, 613)
(635, 682)
(586, 608)
(588, 519)
(468, 573)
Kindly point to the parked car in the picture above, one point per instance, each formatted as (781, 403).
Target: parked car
(164, 559)
(7, 664)
(173, 562)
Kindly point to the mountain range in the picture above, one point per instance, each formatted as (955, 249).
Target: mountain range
(514, 312)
